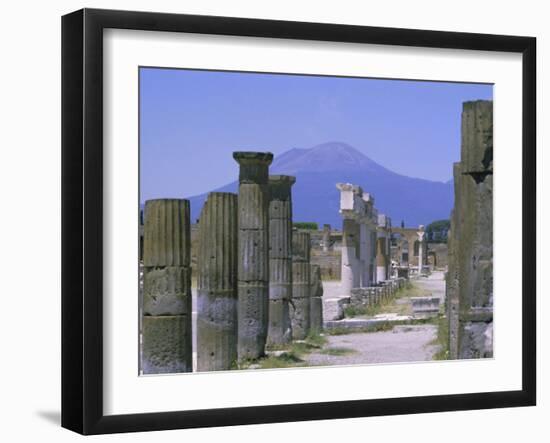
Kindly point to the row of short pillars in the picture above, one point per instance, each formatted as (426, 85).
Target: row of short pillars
(255, 284)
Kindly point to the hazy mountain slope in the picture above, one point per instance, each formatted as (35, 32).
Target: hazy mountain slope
(317, 170)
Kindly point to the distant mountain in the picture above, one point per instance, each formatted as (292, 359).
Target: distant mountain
(318, 169)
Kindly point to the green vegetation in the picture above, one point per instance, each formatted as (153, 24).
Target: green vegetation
(442, 339)
(337, 351)
(306, 225)
(289, 356)
(437, 231)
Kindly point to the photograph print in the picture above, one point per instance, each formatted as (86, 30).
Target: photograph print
(295, 221)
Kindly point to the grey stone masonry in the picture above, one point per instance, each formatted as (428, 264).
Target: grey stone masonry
(470, 275)
(316, 299)
(300, 306)
(217, 284)
(253, 253)
(166, 308)
(280, 259)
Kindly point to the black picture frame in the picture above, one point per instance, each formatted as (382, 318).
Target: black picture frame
(82, 215)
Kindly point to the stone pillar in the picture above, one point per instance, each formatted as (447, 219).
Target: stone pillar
(381, 263)
(326, 238)
(280, 259)
(217, 284)
(469, 286)
(300, 306)
(420, 248)
(349, 274)
(166, 309)
(475, 256)
(253, 255)
(364, 254)
(316, 303)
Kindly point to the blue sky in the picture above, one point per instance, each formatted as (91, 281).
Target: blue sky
(191, 121)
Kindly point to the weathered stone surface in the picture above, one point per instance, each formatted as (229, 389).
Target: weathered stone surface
(477, 137)
(166, 299)
(280, 328)
(333, 308)
(166, 233)
(301, 247)
(167, 291)
(316, 303)
(280, 238)
(253, 166)
(476, 340)
(300, 273)
(253, 205)
(216, 330)
(166, 344)
(470, 275)
(425, 304)
(217, 284)
(280, 259)
(253, 264)
(300, 315)
(253, 319)
(253, 253)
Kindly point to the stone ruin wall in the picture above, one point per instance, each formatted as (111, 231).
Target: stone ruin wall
(470, 276)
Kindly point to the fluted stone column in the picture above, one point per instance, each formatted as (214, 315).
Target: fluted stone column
(253, 255)
(300, 306)
(280, 259)
(166, 340)
(316, 299)
(217, 283)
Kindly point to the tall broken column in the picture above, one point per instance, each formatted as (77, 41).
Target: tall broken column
(316, 300)
(471, 260)
(166, 310)
(280, 259)
(300, 306)
(253, 258)
(350, 273)
(217, 284)
(366, 229)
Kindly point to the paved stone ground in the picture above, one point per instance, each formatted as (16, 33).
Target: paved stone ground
(434, 283)
(402, 344)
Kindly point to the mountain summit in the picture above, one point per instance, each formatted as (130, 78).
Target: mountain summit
(331, 156)
(316, 199)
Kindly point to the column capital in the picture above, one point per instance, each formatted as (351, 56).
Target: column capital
(253, 166)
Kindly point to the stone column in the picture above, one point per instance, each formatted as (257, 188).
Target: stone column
(217, 284)
(326, 238)
(280, 259)
(300, 306)
(475, 256)
(381, 264)
(166, 310)
(364, 254)
(316, 300)
(349, 274)
(253, 256)
(420, 248)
